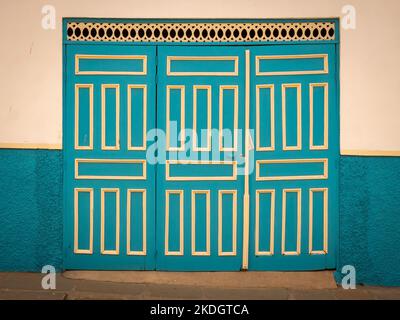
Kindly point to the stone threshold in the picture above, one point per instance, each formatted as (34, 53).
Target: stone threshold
(240, 280)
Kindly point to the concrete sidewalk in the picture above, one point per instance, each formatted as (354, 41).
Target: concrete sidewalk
(174, 286)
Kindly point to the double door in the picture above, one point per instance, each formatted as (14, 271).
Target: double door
(200, 157)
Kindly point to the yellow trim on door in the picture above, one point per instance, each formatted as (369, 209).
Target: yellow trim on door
(76, 226)
(298, 242)
(299, 122)
(270, 252)
(133, 161)
(77, 106)
(325, 70)
(234, 223)
(142, 252)
(325, 223)
(272, 120)
(235, 59)
(168, 119)
(246, 194)
(103, 250)
(305, 177)
(129, 115)
(326, 116)
(235, 89)
(197, 148)
(79, 57)
(104, 87)
(167, 252)
(168, 176)
(193, 212)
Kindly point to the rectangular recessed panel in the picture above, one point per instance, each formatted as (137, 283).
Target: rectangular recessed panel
(318, 116)
(291, 116)
(83, 221)
(202, 170)
(110, 65)
(292, 65)
(202, 118)
(109, 169)
(265, 217)
(291, 221)
(175, 113)
(227, 222)
(174, 222)
(292, 169)
(318, 221)
(110, 228)
(228, 117)
(200, 222)
(265, 114)
(83, 116)
(202, 66)
(136, 222)
(110, 107)
(137, 117)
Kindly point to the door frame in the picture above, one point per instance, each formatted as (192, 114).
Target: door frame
(74, 32)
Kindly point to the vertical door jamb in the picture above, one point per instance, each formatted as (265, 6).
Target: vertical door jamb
(246, 197)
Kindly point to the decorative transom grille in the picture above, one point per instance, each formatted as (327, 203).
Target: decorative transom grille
(200, 32)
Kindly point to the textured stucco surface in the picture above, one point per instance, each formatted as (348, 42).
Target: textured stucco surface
(370, 218)
(31, 228)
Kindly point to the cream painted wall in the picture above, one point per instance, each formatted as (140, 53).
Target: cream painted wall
(31, 58)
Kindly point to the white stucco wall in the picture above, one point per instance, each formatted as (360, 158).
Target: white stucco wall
(31, 58)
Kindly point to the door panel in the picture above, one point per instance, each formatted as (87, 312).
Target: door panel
(110, 187)
(293, 210)
(200, 201)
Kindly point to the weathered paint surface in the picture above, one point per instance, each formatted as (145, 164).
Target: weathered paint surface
(369, 236)
(31, 228)
(31, 213)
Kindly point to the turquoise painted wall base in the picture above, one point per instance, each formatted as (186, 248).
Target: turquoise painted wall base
(369, 236)
(31, 228)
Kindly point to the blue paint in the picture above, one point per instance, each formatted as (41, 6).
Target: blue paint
(205, 260)
(31, 197)
(89, 253)
(369, 202)
(198, 66)
(370, 219)
(298, 258)
(31, 233)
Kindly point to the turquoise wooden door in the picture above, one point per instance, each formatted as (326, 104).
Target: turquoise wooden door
(175, 198)
(199, 186)
(293, 188)
(109, 186)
